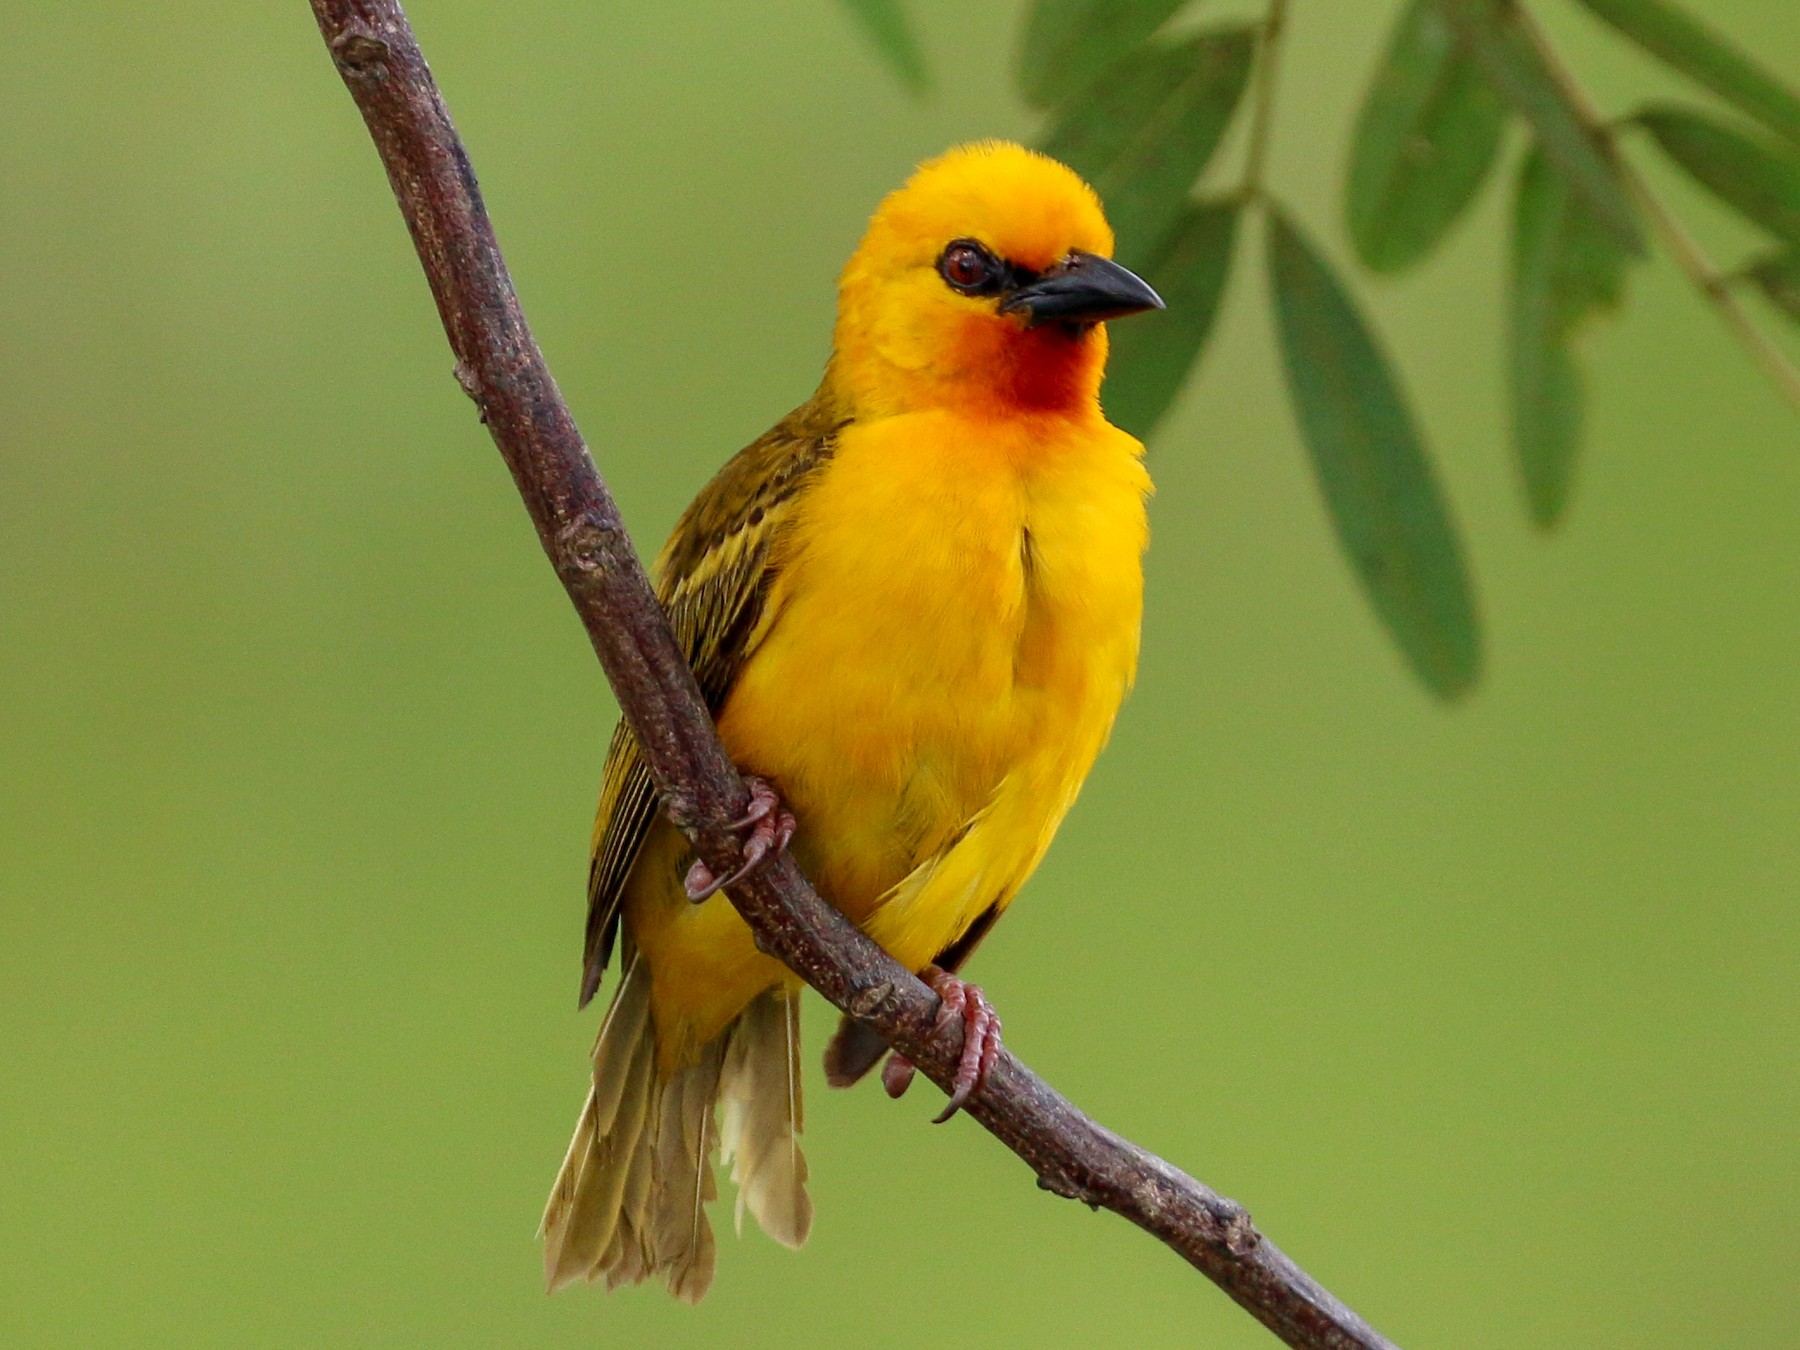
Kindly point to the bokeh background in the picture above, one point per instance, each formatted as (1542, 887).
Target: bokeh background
(1487, 1012)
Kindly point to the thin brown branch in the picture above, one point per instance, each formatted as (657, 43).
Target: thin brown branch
(499, 364)
(1704, 275)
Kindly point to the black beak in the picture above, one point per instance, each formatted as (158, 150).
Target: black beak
(1084, 288)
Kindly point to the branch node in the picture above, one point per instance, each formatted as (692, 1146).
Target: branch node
(471, 385)
(1241, 1237)
(683, 811)
(359, 54)
(583, 543)
(869, 1001)
(1059, 1183)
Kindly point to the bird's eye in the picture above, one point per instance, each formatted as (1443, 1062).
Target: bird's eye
(970, 268)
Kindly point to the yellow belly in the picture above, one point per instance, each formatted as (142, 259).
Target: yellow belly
(953, 625)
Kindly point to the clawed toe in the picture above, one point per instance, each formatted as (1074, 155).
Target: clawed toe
(771, 827)
(981, 1041)
(897, 1074)
(981, 1036)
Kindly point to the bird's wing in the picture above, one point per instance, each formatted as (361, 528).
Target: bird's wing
(991, 856)
(713, 578)
(857, 1047)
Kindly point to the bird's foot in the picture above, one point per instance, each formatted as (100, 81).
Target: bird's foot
(980, 1047)
(770, 826)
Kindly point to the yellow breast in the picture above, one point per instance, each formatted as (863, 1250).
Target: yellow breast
(957, 608)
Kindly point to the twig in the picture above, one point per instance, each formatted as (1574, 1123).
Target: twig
(500, 365)
(1715, 286)
(1699, 269)
(1262, 109)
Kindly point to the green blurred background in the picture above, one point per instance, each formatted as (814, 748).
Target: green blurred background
(1487, 1013)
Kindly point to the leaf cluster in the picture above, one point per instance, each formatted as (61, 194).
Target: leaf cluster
(1140, 103)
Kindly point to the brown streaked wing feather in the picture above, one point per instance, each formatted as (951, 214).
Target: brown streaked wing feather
(712, 578)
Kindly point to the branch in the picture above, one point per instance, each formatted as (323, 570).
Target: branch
(1714, 286)
(498, 363)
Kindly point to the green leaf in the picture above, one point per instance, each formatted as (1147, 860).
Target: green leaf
(1426, 137)
(1567, 269)
(1067, 43)
(885, 24)
(1143, 134)
(1152, 353)
(1372, 468)
(1753, 177)
(1497, 40)
(1703, 56)
(1778, 278)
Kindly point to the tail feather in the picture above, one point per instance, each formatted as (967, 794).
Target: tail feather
(759, 1090)
(624, 1031)
(631, 1198)
(596, 1207)
(681, 1235)
(585, 1206)
(628, 1258)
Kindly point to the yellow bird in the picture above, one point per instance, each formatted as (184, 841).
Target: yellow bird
(913, 607)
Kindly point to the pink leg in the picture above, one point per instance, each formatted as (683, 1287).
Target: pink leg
(981, 1040)
(771, 826)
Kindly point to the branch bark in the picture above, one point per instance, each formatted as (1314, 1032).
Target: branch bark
(498, 363)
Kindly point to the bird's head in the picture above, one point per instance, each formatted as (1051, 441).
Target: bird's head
(982, 284)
